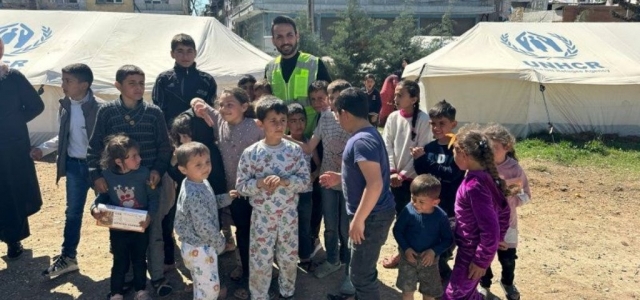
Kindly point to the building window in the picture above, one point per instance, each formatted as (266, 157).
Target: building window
(108, 1)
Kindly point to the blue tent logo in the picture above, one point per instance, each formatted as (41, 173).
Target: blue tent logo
(541, 46)
(19, 38)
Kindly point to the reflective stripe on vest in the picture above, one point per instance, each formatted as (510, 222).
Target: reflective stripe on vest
(305, 73)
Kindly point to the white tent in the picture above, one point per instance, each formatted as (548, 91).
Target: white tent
(41, 43)
(590, 73)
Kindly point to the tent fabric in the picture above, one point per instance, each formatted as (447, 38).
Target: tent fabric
(41, 43)
(590, 73)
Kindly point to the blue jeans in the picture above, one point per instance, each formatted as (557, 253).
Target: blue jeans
(305, 241)
(78, 185)
(336, 227)
(364, 257)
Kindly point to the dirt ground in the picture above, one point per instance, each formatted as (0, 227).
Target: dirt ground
(579, 240)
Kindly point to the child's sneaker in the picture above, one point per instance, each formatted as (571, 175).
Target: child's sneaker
(511, 291)
(61, 264)
(142, 295)
(347, 287)
(326, 269)
(485, 292)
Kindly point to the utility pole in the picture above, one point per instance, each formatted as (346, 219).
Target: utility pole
(310, 14)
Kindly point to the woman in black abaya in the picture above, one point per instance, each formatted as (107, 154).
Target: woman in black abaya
(19, 189)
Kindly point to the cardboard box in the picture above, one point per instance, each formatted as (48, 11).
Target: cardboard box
(121, 218)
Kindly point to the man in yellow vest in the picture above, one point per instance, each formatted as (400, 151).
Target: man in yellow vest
(291, 73)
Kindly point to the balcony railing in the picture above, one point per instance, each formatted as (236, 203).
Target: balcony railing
(151, 7)
(370, 6)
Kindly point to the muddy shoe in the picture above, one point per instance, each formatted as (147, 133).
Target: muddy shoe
(326, 269)
(511, 291)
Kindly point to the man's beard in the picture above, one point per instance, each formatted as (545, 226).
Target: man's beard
(293, 50)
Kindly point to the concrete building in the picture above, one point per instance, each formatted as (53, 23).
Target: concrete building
(252, 18)
(173, 7)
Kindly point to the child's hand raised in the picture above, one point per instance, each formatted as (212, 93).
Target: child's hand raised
(144, 224)
(200, 108)
(234, 194)
(417, 152)
(428, 257)
(412, 256)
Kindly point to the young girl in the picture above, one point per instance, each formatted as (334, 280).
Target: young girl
(128, 187)
(235, 132)
(482, 214)
(405, 129)
(505, 157)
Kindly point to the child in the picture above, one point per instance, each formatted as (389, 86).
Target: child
(365, 177)
(235, 132)
(405, 129)
(374, 98)
(173, 92)
(386, 98)
(128, 187)
(261, 88)
(77, 115)
(336, 226)
(297, 120)
(271, 173)
(144, 123)
(197, 222)
(482, 214)
(505, 157)
(247, 83)
(423, 234)
(436, 158)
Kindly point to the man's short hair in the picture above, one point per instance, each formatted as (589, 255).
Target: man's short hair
(188, 150)
(127, 70)
(443, 109)
(370, 76)
(338, 85)
(182, 39)
(283, 20)
(270, 103)
(426, 185)
(354, 101)
(81, 72)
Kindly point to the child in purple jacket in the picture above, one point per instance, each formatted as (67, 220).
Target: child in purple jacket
(482, 214)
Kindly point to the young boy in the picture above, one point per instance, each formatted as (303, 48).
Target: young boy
(144, 123)
(247, 83)
(374, 98)
(173, 91)
(261, 88)
(336, 226)
(365, 178)
(297, 120)
(272, 172)
(197, 223)
(423, 233)
(436, 158)
(77, 115)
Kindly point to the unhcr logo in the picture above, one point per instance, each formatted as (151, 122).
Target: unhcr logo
(19, 38)
(558, 52)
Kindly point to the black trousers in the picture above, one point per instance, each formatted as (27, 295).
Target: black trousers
(167, 236)
(316, 210)
(241, 214)
(129, 249)
(507, 260)
(402, 195)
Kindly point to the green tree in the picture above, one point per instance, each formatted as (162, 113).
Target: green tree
(310, 42)
(633, 11)
(356, 42)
